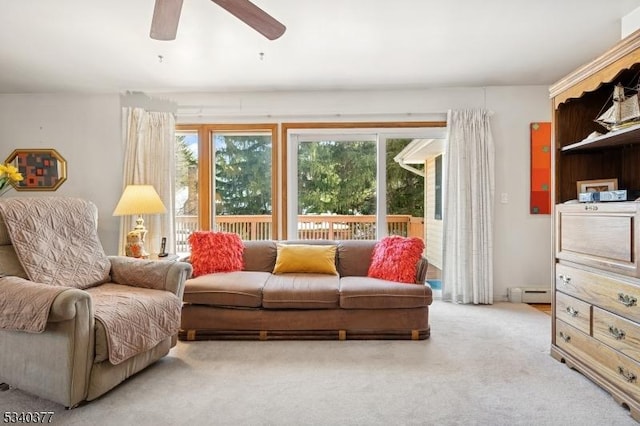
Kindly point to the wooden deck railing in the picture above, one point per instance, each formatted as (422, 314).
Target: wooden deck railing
(329, 227)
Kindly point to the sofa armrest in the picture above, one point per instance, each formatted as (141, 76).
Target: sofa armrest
(159, 275)
(421, 270)
(54, 364)
(27, 306)
(66, 305)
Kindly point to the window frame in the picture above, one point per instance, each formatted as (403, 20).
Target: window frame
(206, 166)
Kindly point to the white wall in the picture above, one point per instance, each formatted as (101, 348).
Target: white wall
(630, 23)
(86, 131)
(522, 241)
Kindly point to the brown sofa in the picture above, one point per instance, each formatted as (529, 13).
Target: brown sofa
(256, 304)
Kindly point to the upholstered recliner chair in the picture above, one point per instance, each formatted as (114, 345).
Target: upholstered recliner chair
(74, 322)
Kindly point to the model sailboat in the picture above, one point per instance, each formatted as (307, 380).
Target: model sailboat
(624, 112)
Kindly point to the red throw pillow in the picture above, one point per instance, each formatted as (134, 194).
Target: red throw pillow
(395, 259)
(215, 252)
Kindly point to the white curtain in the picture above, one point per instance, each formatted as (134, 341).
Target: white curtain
(467, 274)
(149, 142)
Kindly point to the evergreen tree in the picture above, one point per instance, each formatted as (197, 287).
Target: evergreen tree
(243, 175)
(405, 190)
(184, 161)
(186, 176)
(340, 178)
(333, 177)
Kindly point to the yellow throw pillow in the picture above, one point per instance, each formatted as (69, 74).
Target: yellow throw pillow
(318, 259)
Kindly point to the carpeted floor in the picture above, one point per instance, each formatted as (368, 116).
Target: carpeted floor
(483, 365)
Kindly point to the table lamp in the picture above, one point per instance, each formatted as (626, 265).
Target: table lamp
(138, 200)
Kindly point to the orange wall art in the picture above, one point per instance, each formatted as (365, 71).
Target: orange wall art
(540, 168)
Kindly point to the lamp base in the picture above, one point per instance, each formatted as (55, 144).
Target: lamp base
(135, 245)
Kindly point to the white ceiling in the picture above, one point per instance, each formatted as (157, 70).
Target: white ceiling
(103, 46)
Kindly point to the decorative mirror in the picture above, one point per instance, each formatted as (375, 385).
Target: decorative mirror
(42, 169)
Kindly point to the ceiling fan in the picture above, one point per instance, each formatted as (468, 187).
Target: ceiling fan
(166, 15)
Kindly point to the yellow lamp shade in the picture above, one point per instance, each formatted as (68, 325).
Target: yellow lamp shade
(139, 199)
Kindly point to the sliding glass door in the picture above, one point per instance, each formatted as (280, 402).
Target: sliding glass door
(352, 181)
(336, 181)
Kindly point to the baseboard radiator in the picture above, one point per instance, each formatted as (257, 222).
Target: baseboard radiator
(529, 295)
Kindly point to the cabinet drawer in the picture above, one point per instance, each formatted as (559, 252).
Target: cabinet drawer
(574, 312)
(600, 290)
(614, 366)
(619, 333)
(599, 235)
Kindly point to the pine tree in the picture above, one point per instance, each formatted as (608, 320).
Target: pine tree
(243, 175)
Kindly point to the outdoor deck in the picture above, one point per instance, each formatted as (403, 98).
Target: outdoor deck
(329, 227)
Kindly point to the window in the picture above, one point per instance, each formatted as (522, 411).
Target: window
(186, 187)
(231, 186)
(242, 185)
(342, 180)
(405, 193)
(336, 181)
(333, 180)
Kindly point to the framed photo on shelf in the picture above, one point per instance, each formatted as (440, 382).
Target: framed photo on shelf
(597, 185)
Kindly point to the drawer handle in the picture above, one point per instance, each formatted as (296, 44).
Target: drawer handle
(565, 337)
(628, 375)
(627, 300)
(565, 279)
(571, 311)
(617, 333)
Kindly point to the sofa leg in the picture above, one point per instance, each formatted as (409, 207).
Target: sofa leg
(263, 335)
(415, 334)
(191, 335)
(342, 334)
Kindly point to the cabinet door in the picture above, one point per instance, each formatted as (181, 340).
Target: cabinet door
(601, 235)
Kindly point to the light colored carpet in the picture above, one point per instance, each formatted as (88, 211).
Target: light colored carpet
(483, 365)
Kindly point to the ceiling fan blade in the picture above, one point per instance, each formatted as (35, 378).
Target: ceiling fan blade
(254, 17)
(166, 15)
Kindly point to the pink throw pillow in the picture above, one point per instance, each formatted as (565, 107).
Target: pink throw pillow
(395, 258)
(215, 252)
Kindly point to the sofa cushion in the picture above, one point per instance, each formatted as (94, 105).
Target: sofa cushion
(259, 255)
(215, 252)
(301, 291)
(304, 258)
(238, 288)
(57, 241)
(374, 293)
(396, 258)
(354, 257)
(135, 319)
